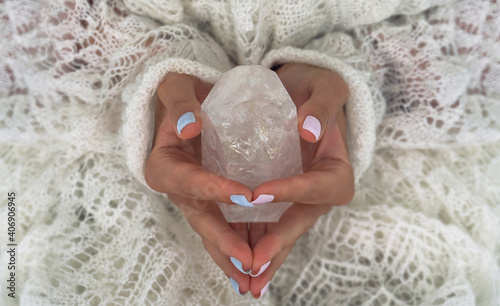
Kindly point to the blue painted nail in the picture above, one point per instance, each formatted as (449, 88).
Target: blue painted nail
(238, 265)
(235, 285)
(240, 200)
(184, 120)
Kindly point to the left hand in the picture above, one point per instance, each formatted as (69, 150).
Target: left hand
(328, 178)
(174, 168)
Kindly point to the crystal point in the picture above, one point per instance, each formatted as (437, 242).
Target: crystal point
(250, 135)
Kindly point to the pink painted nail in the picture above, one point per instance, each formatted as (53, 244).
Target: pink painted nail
(264, 289)
(262, 269)
(263, 199)
(312, 125)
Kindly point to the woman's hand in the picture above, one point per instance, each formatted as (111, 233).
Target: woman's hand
(174, 168)
(319, 95)
(328, 179)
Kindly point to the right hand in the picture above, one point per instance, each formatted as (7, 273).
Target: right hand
(174, 168)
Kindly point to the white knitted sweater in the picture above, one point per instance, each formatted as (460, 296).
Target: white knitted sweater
(77, 84)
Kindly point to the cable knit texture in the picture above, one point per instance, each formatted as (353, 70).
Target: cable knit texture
(77, 90)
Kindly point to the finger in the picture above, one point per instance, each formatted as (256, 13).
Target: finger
(328, 182)
(206, 219)
(177, 92)
(256, 231)
(259, 285)
(282, 235)
(169, 170)
(329, 177)
(272, 249)
(329, 93)
(241, 282)
(241, 228)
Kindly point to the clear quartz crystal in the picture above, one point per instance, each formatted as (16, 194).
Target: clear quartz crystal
(250, 135)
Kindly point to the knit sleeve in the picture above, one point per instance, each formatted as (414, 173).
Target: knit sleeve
(175, 45)
(187, 52)
(81, 76)
(326, 36)
(412, 73)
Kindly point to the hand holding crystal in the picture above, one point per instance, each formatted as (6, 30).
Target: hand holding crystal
(174, 167)
(328, 179)
(319, 95)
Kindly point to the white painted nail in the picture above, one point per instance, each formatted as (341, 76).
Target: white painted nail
(313, 125)
(262, 269)
(264, 289)
(263, 199)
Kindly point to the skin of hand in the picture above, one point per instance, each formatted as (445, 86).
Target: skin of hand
(174, 167)
(328, 178)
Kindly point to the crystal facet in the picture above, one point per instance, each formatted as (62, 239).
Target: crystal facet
(250, 135)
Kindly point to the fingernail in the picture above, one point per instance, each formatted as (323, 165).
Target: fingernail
(240, 200)
(263, 199)
(236, 286)
(185, 119)
(312, 125)
(239, 266)
(264, 289)
(262, 269)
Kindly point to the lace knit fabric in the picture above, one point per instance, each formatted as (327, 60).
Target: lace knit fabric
(77, 84)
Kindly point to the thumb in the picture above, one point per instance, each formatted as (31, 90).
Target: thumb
(319, 112)
(177, 94)
(314, 117)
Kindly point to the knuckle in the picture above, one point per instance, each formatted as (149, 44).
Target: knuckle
(177, 107)
(208, 187)
(345, 90)
(345, 193)
(348, 195)
(200, 204)
(162, 88)
(220, 241)
(177, 101)
(316, 194)
(210, 190)
(322, 109)
(198, 221)
(331, 82)
(150, 178)
(285, 195)
(189, 190)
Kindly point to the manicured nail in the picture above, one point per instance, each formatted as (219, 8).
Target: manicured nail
(236, 286)
(239, 266)
(262, 269)
(312, 125)
(264, 289)
(263, 199)
(185, 119)
(240, 200)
